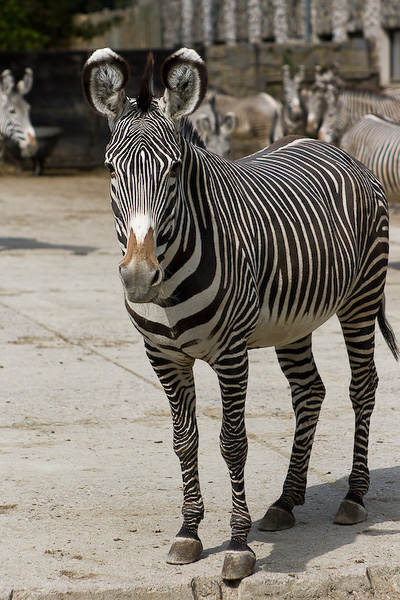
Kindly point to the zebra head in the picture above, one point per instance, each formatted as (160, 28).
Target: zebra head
(144, 156)
(291, 91)
(316, 103)
(330, 126)
(15, 122)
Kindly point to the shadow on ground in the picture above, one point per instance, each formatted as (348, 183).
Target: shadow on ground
(315, 535)
(16, 243)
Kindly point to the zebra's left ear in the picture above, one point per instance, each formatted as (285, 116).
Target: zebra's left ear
(184, 75)
(104, 77)
(6, 82)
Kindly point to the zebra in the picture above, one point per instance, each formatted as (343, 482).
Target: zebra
(294, 110)
(222, 256)
(316, 96)
(375, 141)
(15, 123)
(258, 116)
(216, 130)
(347, 106)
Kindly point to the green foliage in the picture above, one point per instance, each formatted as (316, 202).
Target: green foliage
(38, 24)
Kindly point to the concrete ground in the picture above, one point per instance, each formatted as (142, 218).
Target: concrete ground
(90, 488)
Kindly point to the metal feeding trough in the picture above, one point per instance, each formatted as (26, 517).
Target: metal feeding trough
(47, 138)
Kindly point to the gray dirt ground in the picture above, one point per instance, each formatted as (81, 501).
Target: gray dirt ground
(90, 486)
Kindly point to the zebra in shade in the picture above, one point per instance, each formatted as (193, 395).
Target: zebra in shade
(223, 256)
(375, 141)
(15, 122)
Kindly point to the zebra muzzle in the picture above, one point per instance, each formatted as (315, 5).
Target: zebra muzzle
(140, 271)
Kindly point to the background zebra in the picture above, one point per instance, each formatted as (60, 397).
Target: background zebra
(294, 109)
(375, 141)
(15, 122)
(258, 116)
(220, 257)
(345, 107)
(216, 130)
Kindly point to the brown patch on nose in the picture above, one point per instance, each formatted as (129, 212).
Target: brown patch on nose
(143, 252)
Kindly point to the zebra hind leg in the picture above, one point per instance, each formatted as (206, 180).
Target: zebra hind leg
(359, 337)
(297, 363)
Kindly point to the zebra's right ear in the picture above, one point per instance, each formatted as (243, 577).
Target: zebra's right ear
(104, 77)
(184, 75)
(24, 86)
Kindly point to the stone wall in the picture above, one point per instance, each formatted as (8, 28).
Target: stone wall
(173, 23)
(246, 69)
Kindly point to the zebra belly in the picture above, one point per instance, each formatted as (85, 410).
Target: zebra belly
(284, 331)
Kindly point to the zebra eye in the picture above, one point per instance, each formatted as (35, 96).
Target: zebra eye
(111, 169)
(174, 169)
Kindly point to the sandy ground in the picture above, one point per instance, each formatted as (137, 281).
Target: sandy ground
(90, 487)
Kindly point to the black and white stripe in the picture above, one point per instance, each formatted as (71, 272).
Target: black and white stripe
(252, 253)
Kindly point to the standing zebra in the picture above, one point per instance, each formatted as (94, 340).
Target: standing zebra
(222, 256)
(346, 107)
(294, 110)
(375, 141)
(15, 122)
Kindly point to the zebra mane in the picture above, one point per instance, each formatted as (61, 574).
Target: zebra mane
(146, 88)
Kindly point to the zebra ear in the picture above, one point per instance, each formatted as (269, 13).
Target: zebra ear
(300, 75)
(104, 77)
(184, 75)
(7, 82)
(286, 74)
(25, 85)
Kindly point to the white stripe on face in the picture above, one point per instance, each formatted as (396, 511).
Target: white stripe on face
(140, 224)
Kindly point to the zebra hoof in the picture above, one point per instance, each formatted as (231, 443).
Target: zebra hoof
(239, 561)
(276, 519)
(184, 550)
(349, 513)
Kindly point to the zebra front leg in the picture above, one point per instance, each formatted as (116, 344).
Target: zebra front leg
(308, 392)
(364, 381)
(178, 383)
(232, 374)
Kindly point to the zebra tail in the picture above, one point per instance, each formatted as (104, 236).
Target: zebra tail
(387, 331)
